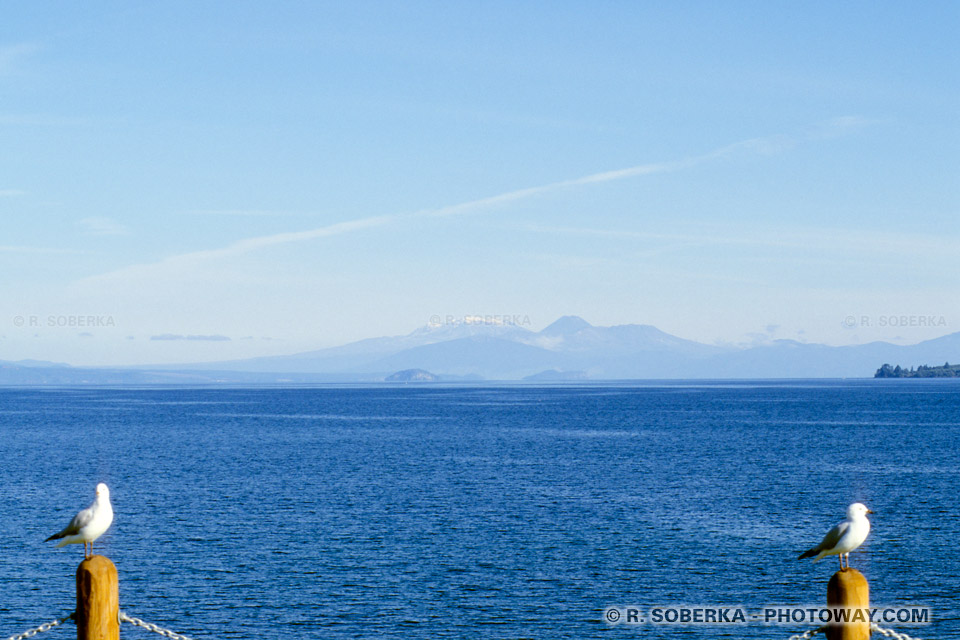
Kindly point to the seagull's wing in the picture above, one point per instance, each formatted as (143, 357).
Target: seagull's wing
(79, 521)
(833, 537)
(829, 541)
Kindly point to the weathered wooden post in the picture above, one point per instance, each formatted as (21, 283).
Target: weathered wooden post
(849, 589)
(98, 600)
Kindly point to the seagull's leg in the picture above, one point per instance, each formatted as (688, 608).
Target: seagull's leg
(840, 555)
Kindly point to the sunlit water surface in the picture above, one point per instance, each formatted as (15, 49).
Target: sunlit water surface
(480, 512)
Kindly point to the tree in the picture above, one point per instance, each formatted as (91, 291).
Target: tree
(886, 371)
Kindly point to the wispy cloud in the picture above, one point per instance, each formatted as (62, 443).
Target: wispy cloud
(175, 336)
(11, 54)
(843, 125)
(102, 226)
(767, 145)
(261, 242)
(838, 240)
(23, 249)
(510, 118)
(40, 120)
(622, 234)
(263, 213)
(11, 193)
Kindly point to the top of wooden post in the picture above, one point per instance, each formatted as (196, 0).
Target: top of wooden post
(849, 588)
(98, 600)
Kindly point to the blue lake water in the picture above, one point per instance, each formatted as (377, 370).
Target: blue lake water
(479, 512)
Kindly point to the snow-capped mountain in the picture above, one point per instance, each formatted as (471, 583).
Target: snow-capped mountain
(571, 348)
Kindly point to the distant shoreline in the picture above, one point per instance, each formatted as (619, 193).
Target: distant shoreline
(923, 371)
(478, 384)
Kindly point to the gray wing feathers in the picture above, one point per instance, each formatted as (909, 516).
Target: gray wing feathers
(79, 521)
(829, 541)
(833, 537)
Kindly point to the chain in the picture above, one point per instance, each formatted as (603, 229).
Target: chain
(890, 633)
(806, 635)
(122, 617)
(46, 626)
(151, 627)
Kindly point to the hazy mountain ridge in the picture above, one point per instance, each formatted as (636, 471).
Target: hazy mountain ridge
(472, 350)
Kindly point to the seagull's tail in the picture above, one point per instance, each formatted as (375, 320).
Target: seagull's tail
(55, 536)
(809, 553)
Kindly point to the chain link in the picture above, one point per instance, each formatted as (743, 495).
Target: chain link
(151, 627)
(29, 633)
(46, 626)
(890, 633)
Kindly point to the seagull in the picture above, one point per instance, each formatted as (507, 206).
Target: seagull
(89, 524)
(843, 538)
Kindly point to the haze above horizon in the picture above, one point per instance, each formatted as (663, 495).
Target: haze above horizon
(186, 182)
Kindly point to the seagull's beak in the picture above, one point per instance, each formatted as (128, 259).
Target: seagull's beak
(870, 511)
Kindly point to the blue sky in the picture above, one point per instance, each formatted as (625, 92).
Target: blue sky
(298, 175)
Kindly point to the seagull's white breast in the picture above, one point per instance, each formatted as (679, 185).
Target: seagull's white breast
(855, 535)
(102, 519)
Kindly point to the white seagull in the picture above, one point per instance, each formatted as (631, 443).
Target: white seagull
(89, 524)
(843, 538)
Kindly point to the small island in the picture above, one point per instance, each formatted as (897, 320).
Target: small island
(923, 371)
(412, 375)
(555, 375)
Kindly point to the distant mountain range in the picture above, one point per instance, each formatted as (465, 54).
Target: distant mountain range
(569, 349)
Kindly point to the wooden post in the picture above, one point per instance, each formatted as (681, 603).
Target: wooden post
(98, 600)
(849, 589)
